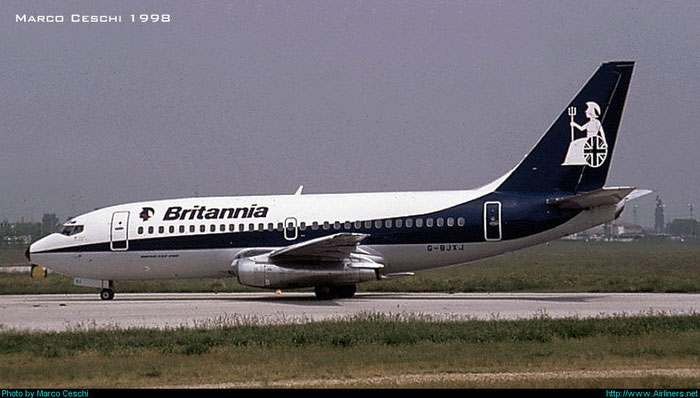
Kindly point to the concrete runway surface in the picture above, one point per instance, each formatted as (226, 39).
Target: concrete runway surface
(56, 312)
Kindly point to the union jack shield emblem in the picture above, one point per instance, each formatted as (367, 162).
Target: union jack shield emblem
(595, 150)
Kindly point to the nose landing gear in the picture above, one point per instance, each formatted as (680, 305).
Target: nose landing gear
(107, 286)
(107, 294)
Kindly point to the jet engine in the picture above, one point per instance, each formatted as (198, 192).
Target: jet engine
(258, 272)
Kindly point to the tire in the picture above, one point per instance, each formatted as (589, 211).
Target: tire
(324, 292)
(347, 291)
(332, 292)
(107, 294)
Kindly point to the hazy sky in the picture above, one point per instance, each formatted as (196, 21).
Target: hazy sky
(248, 97)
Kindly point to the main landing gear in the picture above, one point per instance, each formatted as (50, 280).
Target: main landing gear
(332, 292)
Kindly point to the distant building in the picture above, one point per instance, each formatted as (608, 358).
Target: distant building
(627, 231)
(18, 240)
(21, 233)
(659, 220)
(684, 228)
(617, 231)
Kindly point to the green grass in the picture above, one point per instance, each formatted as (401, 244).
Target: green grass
(13, 257)
(559, 266)
(563, 266)
(357, 330)
(359, 347)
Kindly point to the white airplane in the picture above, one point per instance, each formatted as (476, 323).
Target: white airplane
(334, 241)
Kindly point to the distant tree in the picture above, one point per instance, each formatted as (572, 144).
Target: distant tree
(49, 223)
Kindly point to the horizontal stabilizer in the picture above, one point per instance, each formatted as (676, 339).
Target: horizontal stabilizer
(598, 197)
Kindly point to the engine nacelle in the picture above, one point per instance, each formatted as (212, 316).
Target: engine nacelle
(259, 273)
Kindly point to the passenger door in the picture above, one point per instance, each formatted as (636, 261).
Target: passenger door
(492, 221)
(119, 234)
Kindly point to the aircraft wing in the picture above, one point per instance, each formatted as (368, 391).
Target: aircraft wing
(598, 197)
(340, 247)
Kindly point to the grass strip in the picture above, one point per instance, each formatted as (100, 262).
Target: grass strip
(360, 330)
(561, 266)
(364, 349)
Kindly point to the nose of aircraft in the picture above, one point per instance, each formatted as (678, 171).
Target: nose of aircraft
(27, 254)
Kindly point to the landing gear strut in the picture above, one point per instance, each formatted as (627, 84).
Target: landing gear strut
(331, 292)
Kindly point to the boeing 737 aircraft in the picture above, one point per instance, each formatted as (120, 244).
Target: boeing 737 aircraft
(332, 242)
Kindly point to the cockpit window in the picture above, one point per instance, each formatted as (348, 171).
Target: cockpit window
(70, 230)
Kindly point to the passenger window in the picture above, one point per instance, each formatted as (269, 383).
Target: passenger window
(387, 223)
(419, 222)
(429, 222)
(212, 228)
(326, 225)
(140, 230)
(358, 224)
(347, 225)
(150, 230)
(450, 222)
(202, 228)
(314, 225)
(232, 227)
(440, 222)
(368, 224)
(336, 225)
(270, 226)
(222, 227)
(460, 221)
(192, 228)
(399, 223)
(302, 226)
(161, 229)
(241, 227)
(409, 222)
(378, 224)
(182, 228)
(251, 227)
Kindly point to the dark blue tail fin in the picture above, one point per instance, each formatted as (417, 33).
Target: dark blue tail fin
(574, 154)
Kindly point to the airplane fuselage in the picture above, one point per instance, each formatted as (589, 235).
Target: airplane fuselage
(410, 231)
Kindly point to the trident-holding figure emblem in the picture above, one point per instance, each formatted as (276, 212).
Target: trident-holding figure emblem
(591, 150)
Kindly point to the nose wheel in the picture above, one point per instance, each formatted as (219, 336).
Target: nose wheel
(107, 294)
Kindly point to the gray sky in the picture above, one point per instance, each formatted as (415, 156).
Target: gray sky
(237, 98)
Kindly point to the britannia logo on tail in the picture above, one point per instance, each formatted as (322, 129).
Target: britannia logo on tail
(591, 150)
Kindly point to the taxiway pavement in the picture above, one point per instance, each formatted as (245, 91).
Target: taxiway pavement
(56, 312)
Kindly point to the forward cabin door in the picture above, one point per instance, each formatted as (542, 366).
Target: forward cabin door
(119, 236)
(492, 221)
